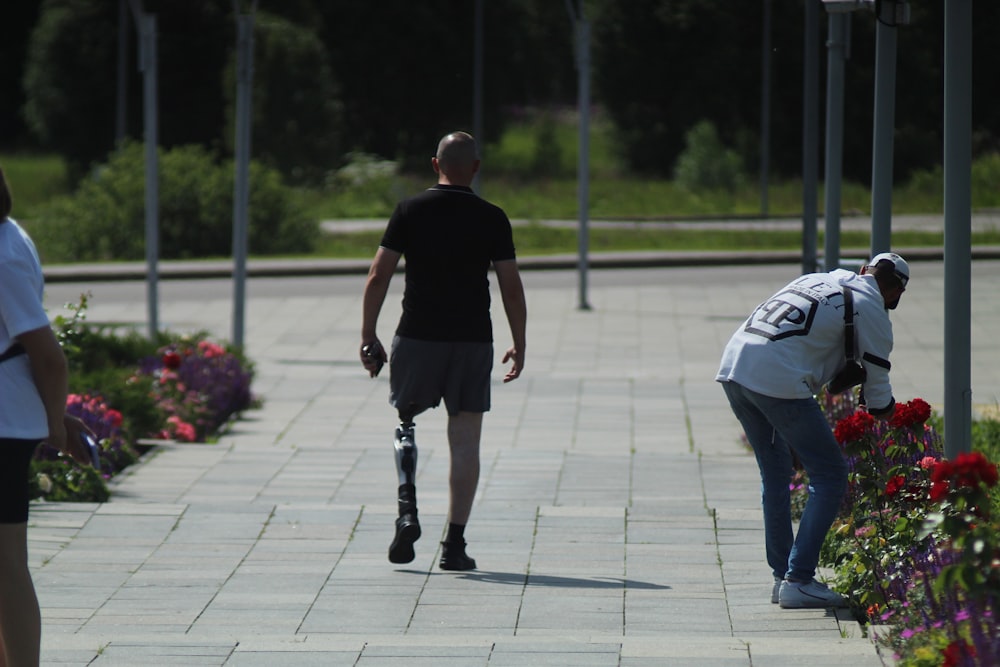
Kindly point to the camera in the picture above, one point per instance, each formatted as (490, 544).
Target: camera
(91, 446)
(373, 351)
(849, 376)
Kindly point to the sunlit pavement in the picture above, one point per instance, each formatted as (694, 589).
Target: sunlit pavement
(617, 520)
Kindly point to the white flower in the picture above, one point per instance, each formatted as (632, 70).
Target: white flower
(44, 482)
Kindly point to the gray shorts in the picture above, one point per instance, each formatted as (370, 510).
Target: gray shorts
(422, 372)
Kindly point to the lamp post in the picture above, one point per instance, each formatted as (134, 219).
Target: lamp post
(241, 183)
(889, 14)
(582, 52)
(810, 134)
(838, 46)
(146, 27)
(957, 226)
(477, 84)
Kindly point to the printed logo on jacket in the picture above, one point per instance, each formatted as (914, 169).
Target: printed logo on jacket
(790, 312)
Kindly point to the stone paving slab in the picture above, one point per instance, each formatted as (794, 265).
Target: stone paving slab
(617, 519)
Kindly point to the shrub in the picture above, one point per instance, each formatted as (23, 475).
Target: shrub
(105, 219)
(706, 164)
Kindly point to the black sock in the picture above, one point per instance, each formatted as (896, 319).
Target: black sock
(456, 533)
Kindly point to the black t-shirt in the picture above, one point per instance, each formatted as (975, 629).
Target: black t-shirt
(449, 236)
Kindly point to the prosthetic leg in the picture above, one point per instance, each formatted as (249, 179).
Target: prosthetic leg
(407, 525)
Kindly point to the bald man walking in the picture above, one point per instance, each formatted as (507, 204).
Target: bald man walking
(443, 345)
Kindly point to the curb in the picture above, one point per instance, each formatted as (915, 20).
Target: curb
(279, 268)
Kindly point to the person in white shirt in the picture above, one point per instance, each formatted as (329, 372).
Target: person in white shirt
(780, 357)
(33, 388)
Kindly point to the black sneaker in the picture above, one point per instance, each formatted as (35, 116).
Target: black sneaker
(453, 557)
(407, 532)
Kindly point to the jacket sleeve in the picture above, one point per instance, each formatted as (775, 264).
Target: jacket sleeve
(874, 335)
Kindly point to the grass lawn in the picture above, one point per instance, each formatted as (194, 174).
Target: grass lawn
(37, 179)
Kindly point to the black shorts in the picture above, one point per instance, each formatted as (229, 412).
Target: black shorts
(422, 372)
(14, 470)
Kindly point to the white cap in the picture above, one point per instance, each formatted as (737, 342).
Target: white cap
(902, 268)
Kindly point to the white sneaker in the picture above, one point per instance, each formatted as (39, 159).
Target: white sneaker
(808, 595)
(774, 591)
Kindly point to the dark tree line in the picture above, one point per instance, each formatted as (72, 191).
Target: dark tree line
(336, 76)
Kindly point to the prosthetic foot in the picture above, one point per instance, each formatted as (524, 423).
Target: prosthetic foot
(407, 525)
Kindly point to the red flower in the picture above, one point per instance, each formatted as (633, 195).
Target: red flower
(973, 468)
(952, 654)
(921, 409)
(942, 470)
(114, 418)
(172, 360)
(853, 427)
(968, 470)
(939, 490)
(912, 413)
(894, 484)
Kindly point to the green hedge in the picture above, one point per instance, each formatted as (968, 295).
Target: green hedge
(104, 219)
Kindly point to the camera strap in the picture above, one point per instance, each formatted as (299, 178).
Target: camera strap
(849, 323)
(13, 351)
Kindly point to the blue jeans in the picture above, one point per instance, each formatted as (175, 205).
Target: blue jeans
(776, 427)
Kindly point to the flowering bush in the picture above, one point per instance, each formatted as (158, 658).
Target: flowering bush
(59, 478)
(198, 387)
(916, 546)
(886, 501)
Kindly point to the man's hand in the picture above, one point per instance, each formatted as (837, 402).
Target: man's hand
(372, 356)
(517, 357)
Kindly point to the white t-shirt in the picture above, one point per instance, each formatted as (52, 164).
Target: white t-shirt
(22, 413)
(793, 343)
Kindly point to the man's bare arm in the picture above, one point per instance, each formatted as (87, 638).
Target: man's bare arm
(514, 304)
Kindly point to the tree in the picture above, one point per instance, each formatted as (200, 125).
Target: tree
(297, 108)
(406, 69)
(18, 20)
(68, 79)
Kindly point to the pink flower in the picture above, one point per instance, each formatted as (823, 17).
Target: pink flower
(209, 349)
(181, 429)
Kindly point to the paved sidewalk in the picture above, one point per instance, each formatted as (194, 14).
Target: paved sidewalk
(617, 521)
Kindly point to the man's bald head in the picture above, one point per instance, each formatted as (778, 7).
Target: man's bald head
(457, 158)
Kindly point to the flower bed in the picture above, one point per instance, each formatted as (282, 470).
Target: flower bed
(127, 389)
(916, 546)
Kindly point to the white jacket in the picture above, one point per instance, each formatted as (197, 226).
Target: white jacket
(793, 343)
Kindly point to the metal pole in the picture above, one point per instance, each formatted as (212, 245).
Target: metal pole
(957, 226)
(765, 108)
(120, 101)
(810, 135)
(241, 187)
(884, 126)
(583, 161)
(836, 49)
(477, 84)
(150, 123)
